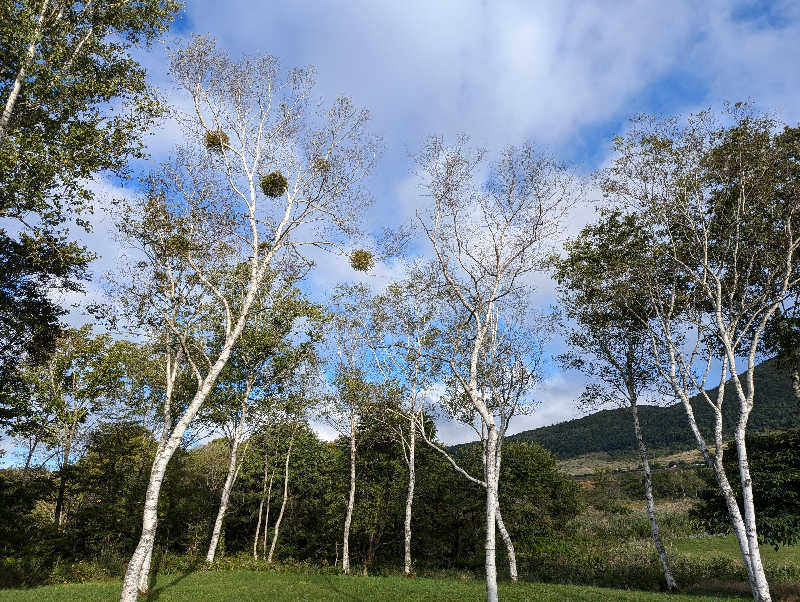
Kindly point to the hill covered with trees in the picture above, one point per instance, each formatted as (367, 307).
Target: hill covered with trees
(666, 428)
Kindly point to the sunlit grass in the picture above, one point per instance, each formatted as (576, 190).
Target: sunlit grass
(251, 585)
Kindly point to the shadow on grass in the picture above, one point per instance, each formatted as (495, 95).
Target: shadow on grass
(155, 592)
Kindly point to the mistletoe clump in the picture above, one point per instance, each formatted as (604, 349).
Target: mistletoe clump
(322, 165)
(216, 139)
(274, 184)
(361, 260)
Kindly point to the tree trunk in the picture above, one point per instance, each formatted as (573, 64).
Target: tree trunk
(350, 502)
(761, 584)
(160, 462)
(144, 574)
(261, 505)
(412, 476)
(490, 457)
(15, 89)
(266, 515)
(796, 380)
(62, 484)
(223, 502)
(648, 492)
(512, 555)
(276, 528)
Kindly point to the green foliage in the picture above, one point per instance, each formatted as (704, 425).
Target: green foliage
(83, 109)
(361, 260)
(274, 184)
(774, 460)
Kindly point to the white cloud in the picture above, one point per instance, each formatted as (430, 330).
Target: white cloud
(565, 74)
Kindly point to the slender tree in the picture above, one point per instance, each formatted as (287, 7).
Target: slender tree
(609, 343)
(719, 205)
(272, 180)
(487, 237)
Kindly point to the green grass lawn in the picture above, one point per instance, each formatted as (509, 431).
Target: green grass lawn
(250, 585)
(726, 545)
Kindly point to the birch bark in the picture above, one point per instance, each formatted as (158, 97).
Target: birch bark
(491, 514)
(648, 492)
(412, 476)
(510, 552)
(8, 110)
(225, 497)
(350, 502)
(261, 505)
(277, 527)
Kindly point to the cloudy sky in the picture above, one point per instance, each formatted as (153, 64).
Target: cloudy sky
(565, 75)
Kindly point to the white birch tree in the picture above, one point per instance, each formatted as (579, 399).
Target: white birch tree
(403, 333)
(608, 342)
(488, 239)
(275, 178)
(719, 204)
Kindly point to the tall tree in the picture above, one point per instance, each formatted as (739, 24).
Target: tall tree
(273, 179)
(70, 389)
(403, 334)
(267, 365)
(609, 343)
(487, 237)
(719, 204)
(74, 104)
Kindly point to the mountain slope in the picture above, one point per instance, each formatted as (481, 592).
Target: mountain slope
(666, 428)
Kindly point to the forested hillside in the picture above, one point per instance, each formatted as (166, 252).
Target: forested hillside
(666, 428)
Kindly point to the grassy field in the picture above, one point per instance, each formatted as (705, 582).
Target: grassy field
(726, 545)
(250, 585)
(588, 463)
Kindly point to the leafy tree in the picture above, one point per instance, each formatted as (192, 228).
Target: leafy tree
(719, 206)
(68, 391)
(487, 237)
(212, 218)
(609, 342)
(75, 104)
(774, 466)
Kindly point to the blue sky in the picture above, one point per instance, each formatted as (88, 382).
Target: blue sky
(566, 75)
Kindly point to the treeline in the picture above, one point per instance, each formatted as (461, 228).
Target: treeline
(106, 489)
(665, 429)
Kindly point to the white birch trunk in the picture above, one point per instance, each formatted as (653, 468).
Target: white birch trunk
(266, 515)
(510, 552)
(8, 110)
(276, 528)
(350, 503)
(490, 452)
(160, 462)
(651, 505)
(144, 574)
(761, 584)
(412, 476)
(224, 498)
(796, 382)
(261, 506)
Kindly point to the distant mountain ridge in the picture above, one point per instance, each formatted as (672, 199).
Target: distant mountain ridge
(667, 428)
